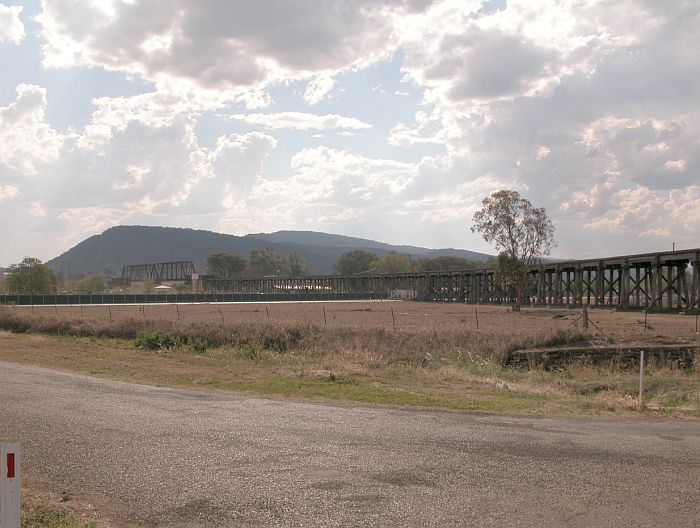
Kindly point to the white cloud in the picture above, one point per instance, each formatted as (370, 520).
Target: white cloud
(588, 108)
(683, 210)
(302, 121)
(133, 162)
(318, 89)
(341, 217)
(591, 105)
(675, 165)
(327, 187)
(220, 46)
(26, 140)
(11, 27)
(542, 152)
(646, 212)
(7, 192)
(36, 210)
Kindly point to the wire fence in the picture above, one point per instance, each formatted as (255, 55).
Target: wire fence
(164, 298)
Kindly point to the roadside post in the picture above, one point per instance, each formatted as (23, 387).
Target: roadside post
(10, 486)
(641, 379)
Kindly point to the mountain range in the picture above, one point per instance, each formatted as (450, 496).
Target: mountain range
(122, 245)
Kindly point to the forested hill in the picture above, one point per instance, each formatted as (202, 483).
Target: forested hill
(122, 245)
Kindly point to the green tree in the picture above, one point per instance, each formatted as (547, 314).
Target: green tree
(355, 262)
(521, 233)
(394, 262)
(267, 262)
(226, 265)
(30, 276)
(298, 267)
(446, 263)
(180, 287)
(94, 284)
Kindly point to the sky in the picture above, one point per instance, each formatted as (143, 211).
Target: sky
(385, 119)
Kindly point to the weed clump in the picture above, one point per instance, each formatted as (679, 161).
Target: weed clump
(155, 340)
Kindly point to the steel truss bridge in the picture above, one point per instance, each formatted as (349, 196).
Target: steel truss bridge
(160, 271)
(657, 281)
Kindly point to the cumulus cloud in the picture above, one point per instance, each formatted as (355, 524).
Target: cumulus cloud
(327, 186)
(7, 192)
(422, 130)
(590, 109)
(11, 27)
(131, 163)
(318, 89)
(642, 212)
(26, 140)
(302, 121)
(220, 45)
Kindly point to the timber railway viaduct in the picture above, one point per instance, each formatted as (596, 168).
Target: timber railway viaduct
(661, 281)
(668, 281)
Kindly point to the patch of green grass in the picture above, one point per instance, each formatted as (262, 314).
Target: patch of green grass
(46, 518)
(336, 387)
(674, 400)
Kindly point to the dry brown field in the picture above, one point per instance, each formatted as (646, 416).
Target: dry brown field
(404, 315)
(395, 352)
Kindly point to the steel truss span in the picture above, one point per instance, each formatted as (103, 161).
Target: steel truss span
(160, 271)
(657, 281)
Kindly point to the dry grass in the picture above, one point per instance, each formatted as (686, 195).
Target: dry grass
(449, 364)
(408, 316)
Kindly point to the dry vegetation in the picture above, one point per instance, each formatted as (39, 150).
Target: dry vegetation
(434, 355)
(44, 507)
(397, 353)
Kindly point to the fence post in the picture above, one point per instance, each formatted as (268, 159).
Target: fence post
(641, 379)
(10, 485)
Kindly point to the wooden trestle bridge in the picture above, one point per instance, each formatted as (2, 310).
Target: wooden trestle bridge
(657, 281)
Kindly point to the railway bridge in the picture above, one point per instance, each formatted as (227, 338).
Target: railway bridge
(159, 271)
(657, 281)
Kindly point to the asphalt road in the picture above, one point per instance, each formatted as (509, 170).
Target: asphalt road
(168, 457)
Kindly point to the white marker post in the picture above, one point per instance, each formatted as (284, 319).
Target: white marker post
(10, 476)
(641, 379)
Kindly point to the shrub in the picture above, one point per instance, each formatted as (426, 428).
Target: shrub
(156, 340)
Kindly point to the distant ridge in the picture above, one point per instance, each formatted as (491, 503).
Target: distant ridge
(121, 245)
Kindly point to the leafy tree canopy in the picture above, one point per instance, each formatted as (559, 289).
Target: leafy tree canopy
(355, 262)
(94, 284)
(521, 233)
(268, 262)
(30, 276)
(226, 265)
(446, 263)
(394, 262)
(297, 265)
